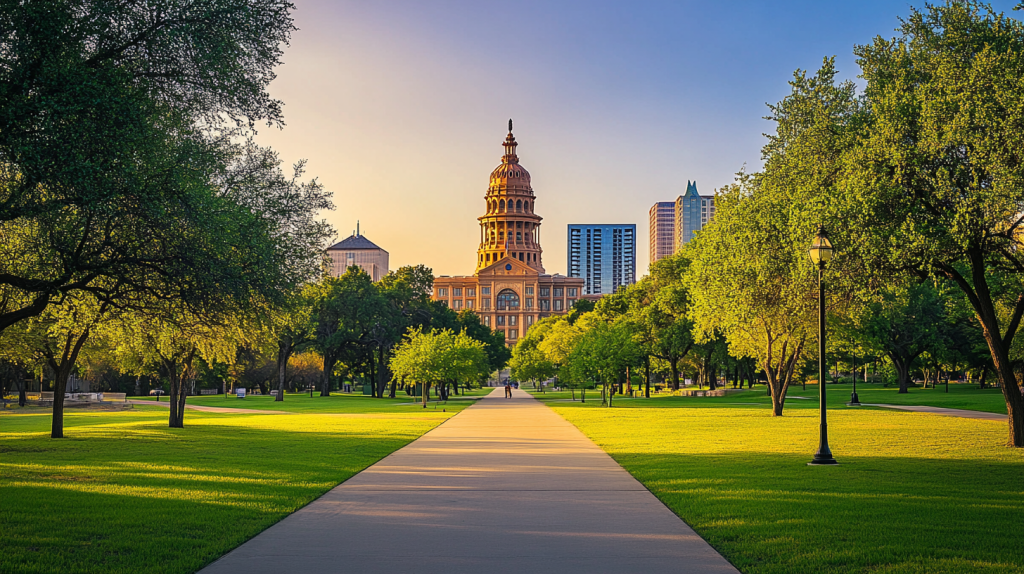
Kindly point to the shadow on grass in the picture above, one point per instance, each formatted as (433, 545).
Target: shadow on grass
(774, 514)
(127, 494)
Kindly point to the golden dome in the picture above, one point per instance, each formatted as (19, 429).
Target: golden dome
(510, 173)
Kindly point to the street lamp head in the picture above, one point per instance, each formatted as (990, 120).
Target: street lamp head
(821, 248)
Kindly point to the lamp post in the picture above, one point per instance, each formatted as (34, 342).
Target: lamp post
(821, 254)
(854, 399)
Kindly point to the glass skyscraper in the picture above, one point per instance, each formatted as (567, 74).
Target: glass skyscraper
(693, 212)
(604, 256)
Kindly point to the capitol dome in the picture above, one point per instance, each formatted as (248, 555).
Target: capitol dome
(509, 173)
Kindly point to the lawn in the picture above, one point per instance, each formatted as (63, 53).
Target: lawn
(960, 396)
(124, 493)
(914, 493)
(337, 403)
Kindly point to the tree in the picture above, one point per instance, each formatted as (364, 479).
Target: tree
(602, 353)
(528, 363)
(760, 298)
(115, 119)
(345, 310)
(295, 331)
(942, 165)
(54, 339)
(903, 320)
(557, 344)
(170, 342)
(439, 357)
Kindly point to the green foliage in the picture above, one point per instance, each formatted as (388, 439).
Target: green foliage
(439, 357)
(118, 171)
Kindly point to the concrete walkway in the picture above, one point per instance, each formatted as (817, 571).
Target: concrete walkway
(506, 486)
(967, 414)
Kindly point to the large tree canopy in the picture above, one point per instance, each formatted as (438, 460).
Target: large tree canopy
(942, 164)
(118, 174)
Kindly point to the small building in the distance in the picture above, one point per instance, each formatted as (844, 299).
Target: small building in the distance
(358, 250)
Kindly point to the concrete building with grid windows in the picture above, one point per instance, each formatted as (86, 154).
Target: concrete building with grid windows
(603, 255)
(663, 230)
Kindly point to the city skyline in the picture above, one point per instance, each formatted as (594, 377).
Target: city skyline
(400, 108)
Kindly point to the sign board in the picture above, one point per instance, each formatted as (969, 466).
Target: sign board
(240, 393)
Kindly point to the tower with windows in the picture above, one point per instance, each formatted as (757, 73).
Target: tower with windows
(510, 226)
(509, 291)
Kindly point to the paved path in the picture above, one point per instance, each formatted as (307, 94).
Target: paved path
(505, 486)
(167, 405)
(945, 412)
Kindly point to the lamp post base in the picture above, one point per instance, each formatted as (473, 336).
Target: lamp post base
(823, 461)
(854, 399)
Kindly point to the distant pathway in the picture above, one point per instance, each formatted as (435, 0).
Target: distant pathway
(945, 412)
(167, 404)
(505, 486)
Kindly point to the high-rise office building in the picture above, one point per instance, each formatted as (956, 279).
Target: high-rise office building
(604, 256)
(693, 212)
(663, 230)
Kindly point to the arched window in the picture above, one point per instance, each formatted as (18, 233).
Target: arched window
(507, 300)
(501, 205)
(519, 205)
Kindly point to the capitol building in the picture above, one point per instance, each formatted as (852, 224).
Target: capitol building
(510, 290)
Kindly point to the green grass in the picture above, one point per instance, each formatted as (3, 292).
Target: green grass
(337, 403)
(968, 397)
(124, 493)
(914, 493)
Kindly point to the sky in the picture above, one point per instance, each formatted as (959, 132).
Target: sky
(400, 107)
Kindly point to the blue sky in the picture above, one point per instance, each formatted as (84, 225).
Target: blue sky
(401, 107)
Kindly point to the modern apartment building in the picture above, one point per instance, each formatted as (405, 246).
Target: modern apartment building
(358, 250)
(604, 256)
(693, 212)
(663, 229)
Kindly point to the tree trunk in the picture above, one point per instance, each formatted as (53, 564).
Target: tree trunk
(62, 366)
(902, 365)
(984, 372)
(325, 381)
(712, 377)
(675, 374)
(980, 297)
(647, 376)
(382, 371)
(284, 352)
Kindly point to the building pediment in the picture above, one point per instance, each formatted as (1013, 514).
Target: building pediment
(507, 266)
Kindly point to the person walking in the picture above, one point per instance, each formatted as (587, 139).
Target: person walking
(508, 390)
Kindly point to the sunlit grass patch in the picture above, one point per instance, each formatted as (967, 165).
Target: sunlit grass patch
(914, 493)
(124, 493)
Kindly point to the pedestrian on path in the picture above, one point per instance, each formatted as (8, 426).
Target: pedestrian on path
(508, 390)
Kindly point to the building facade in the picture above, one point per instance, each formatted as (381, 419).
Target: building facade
(360, 251)
(693, 212)
(510, 290)
(663, 230)
(604, 256)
